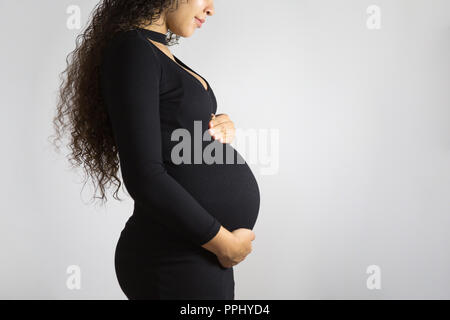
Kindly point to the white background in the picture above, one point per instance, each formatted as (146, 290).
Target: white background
(364, 150)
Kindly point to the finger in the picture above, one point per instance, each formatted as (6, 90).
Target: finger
(214, 133)
(218, 137)
(221, 136)
(226, 135)
(222, 127)
(217, 132)
(222, 116)
(218, 119)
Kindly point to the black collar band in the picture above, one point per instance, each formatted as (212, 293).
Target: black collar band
(154, 35)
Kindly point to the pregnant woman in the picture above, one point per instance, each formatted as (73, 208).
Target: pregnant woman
(193, 217)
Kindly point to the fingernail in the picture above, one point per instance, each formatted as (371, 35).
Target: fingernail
(211, 131)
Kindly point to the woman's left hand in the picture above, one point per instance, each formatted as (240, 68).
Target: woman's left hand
(222, 128)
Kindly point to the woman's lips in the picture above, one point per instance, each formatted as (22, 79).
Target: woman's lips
(199, 22)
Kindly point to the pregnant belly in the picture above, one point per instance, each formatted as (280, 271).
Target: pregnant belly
(228, 191)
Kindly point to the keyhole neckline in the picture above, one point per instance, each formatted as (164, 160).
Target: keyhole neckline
(177, 61)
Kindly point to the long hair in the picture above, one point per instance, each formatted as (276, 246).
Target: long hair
(80, 107)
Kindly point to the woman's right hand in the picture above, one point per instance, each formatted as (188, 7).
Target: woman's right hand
(238, 249)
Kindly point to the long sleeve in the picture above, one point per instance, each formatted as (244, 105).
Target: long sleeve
(130, 80)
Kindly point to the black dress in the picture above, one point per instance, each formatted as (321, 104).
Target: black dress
(177, 206)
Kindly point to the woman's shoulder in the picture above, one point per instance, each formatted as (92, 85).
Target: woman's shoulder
(131, 42)
(128, 52)
(125, 35)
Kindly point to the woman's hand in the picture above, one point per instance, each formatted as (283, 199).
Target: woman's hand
(239, 249)
(222, 128)
(231, 247)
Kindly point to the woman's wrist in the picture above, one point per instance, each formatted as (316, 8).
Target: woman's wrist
(222, 243)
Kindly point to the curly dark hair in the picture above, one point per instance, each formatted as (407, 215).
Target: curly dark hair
(80, 106)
